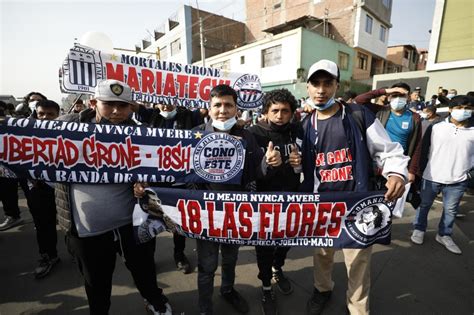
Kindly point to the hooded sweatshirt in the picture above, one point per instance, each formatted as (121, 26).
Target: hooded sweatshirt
(284, 177)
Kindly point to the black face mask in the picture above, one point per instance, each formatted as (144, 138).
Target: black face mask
(279, 128)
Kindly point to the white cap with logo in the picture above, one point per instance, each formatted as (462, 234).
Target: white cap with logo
(324, 65)
(113, 91)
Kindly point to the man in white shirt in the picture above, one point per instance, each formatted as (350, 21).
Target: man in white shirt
(448, 154)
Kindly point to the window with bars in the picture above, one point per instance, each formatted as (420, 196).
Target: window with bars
(369, 21)
(175, 47)
(383, 33)
(362, 60)
(164, 53)
(343, 60)
(271, 56)
(224, 65)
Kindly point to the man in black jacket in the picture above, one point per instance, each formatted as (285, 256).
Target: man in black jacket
(278, 108)
(223, 112)
(172, 117)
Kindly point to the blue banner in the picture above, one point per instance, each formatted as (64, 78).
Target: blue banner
(339, 219)
(59, 151)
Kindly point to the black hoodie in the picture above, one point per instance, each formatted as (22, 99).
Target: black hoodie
(282, 178)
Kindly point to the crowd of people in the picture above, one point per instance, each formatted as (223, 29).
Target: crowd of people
(393, 137)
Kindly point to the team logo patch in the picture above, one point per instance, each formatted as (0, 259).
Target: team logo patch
(369, 220)
(117, 89)
(249, 91)
(218, 157)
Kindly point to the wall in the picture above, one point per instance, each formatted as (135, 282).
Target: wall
(262, 14)
(300, 49)
(220, 34)
(290, 58)
(179, 32)
(316, 47)
(459, 79)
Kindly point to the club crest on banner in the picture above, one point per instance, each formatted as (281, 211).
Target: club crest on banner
(369, 220)
(218, 157)
(82, 69)
(249, 91)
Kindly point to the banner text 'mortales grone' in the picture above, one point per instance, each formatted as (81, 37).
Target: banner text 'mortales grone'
(167, 84)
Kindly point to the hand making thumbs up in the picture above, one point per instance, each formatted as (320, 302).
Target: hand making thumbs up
(273, 156)
(295, 156)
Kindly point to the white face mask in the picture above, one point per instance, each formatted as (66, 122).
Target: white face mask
(397, 103)
(224, 125)
(32, 105)
(450, 95)
(461, 114)
(424, 115)
(168, 115)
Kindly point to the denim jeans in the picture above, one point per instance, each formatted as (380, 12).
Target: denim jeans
(208, 257)
(452, 194)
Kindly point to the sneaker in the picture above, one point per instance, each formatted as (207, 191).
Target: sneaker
(417, 237)
(317, 302)
(269, 306)
(448, 242)
(236, 300)
(46, 264)
(182, 263)
(283, 284)
(10, 222)
(154, 311)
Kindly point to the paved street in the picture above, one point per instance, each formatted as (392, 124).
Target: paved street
(406, 278)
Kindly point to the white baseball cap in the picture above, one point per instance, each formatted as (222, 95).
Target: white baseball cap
(324, 65)
(113, 91)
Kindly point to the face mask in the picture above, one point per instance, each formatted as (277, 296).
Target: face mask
(398, 103)
(224, 125)
(32, 105)
(279, 128)
(450, 96)
(461, 114)
(168, 115)
(322, 107)
(424, 115)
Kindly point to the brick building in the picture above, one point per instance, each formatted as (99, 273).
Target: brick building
(405, 57)
(361, 24)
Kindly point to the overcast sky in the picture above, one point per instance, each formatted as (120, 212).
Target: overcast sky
(36, 35)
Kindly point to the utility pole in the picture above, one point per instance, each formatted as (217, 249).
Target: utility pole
(325, 21)
(201, 36)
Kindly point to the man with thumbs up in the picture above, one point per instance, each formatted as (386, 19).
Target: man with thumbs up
(277, 137)
(223, 112)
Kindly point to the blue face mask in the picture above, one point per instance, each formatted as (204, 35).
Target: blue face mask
(321, 107)
(461, 114)
(224, 125)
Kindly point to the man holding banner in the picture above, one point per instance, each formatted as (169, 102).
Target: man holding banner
(172, 117)
(98, 218)
(223, 112)
(339, 145)
(279, 107)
